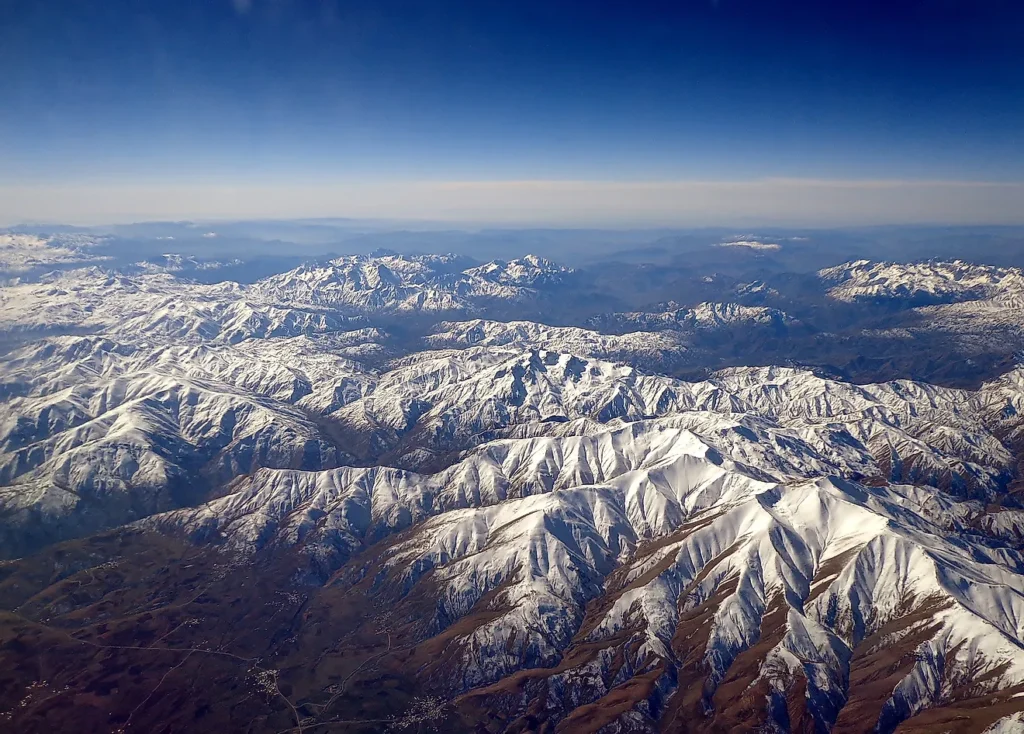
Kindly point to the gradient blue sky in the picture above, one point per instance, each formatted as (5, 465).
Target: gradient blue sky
(271, 96)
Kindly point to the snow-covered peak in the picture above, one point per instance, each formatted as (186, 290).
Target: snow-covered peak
(752, 244)
(177, 263)
(528, 271)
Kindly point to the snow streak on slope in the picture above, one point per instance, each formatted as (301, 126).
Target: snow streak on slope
(1012, 724)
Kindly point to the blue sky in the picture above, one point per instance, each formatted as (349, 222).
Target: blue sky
(276, 95)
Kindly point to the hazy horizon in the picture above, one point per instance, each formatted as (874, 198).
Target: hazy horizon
(629, 204)
(600, 114)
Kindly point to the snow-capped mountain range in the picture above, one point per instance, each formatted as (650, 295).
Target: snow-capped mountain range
(581, 539)
(703, 316)
(428, 283)
(933, 281)
(976, 306)
(309, 299)
(20, 254)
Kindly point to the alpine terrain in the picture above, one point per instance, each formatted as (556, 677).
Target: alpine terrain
(387, 492)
